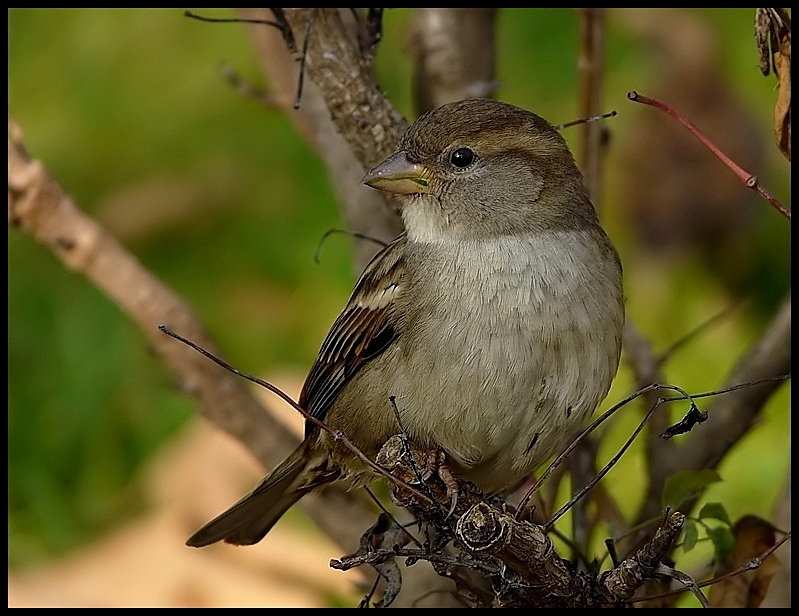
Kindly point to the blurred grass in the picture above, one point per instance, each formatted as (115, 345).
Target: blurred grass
(223, 201)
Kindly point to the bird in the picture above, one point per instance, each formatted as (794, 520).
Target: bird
(490, 329)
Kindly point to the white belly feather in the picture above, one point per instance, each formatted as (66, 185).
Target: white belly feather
(547, 352)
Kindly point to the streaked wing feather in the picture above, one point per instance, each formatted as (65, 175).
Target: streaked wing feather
(366, 326)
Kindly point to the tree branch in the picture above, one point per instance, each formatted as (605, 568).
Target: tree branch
(38, 205)
(590, 67)
(365, 211)
(731, 416)
(454, 52)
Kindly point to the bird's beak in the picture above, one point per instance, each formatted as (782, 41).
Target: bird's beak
(399, 175)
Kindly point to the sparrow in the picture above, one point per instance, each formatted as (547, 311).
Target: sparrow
(490, 329)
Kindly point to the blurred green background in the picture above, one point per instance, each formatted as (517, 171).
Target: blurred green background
(223, 201)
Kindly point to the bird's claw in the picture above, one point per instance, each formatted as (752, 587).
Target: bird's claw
(419, 468)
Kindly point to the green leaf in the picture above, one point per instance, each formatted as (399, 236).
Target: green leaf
(715, 511)
(690, 535)
(723, 541)
(685, 484)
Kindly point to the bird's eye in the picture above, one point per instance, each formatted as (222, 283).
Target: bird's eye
(462, 158)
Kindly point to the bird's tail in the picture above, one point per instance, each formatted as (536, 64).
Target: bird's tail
(246, 522)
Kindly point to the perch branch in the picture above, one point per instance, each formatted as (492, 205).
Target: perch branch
(486, 530)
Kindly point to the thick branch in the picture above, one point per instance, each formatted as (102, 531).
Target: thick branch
(731, 415)
(533, 573)
(591, 69)
(365, 211)
(362, 114)
(39, 205)
(454, 50)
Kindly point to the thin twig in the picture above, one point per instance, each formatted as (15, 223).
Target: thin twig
(690, 335)
(304, 56)
(229, 20)
(337, 435)
(382, 508)
(731, 388)
(557, 461)
(247, 88)
(355, 234)
(686, 580)
(654, 386)
(618, 455)
(747, 178)
(752, 564)
(593, 118)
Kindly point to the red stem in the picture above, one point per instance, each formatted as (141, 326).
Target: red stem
(747, 178)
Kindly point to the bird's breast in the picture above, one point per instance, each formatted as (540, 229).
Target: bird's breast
(507, 346)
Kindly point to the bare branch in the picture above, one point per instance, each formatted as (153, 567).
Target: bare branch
(40, 206)
(749, 180)
(731, 415)
(535, 575)
(365, 210)
(454, 51)
(590, 65)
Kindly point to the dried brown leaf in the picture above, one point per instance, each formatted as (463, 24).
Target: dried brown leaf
(773, 39)
(753, 536)
(782, 108)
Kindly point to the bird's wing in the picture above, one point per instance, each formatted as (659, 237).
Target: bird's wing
(363, 330)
